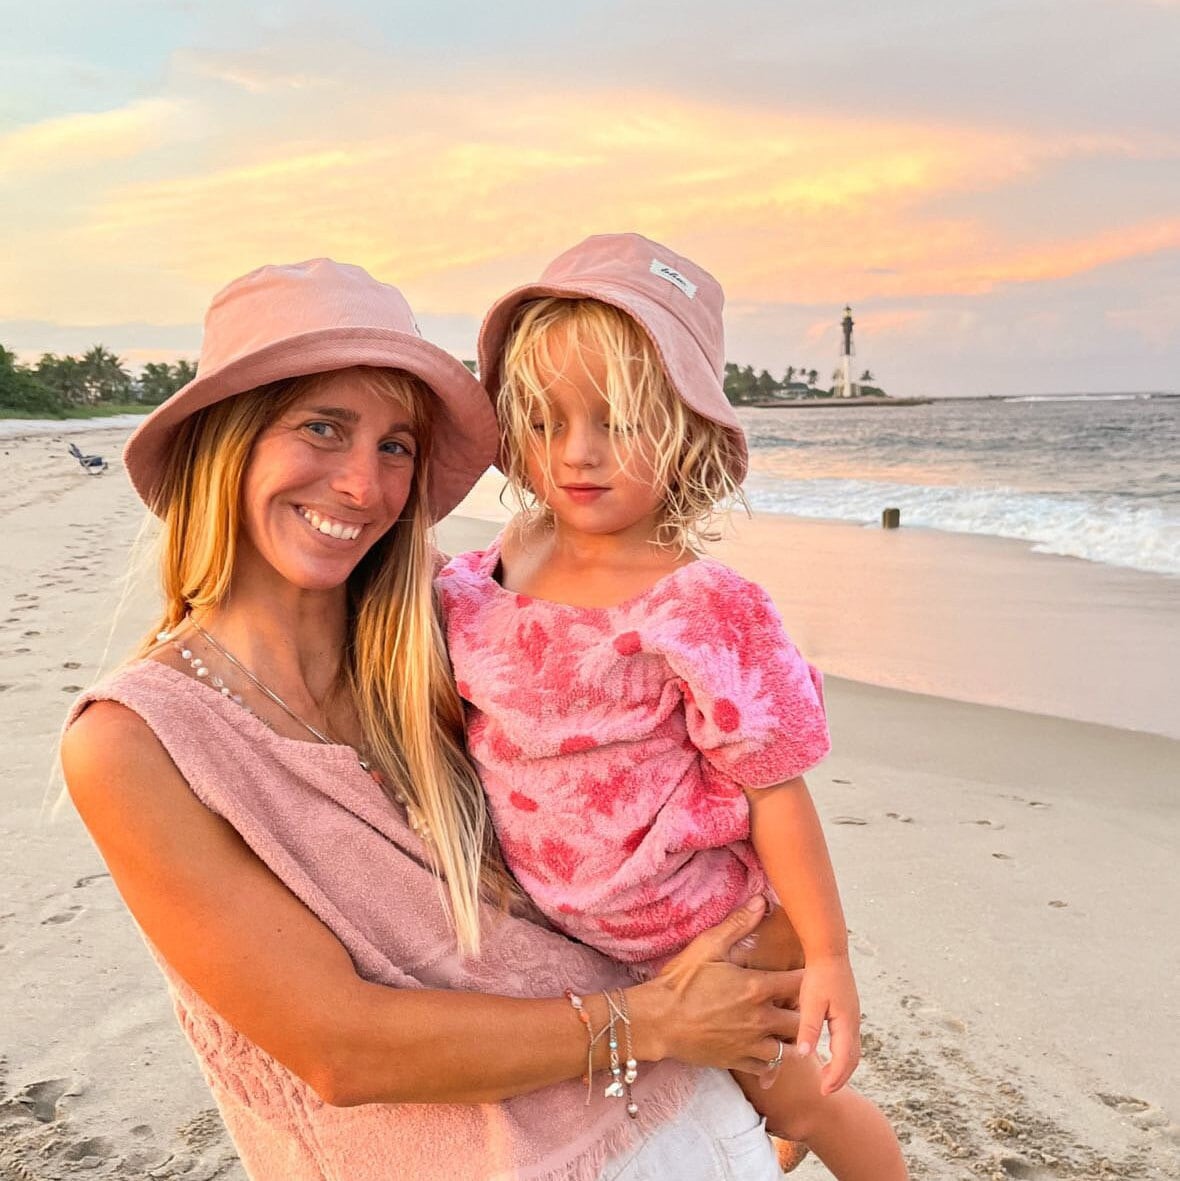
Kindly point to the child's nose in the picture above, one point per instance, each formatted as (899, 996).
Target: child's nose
(581, 446)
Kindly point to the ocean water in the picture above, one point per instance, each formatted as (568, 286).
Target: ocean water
(1091, 477)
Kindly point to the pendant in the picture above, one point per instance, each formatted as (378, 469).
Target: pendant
(614, 1091)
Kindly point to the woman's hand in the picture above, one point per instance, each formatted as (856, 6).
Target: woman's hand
(829, 994)
(703, 1009)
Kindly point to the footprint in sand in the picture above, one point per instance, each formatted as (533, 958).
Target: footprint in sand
(1123, 1104)
(40, 1100)
(849, 820)
(63, 916)
(91, 1152)
(30, 635)
(71, 688)
(202, 1130)
(932, 1013)
(1056, 902)
(899, 818)
(5, 688)
(984, 824)
(844, 781)
(71, 664)
(88, 879)
(1015, 1166)
(1002, 856)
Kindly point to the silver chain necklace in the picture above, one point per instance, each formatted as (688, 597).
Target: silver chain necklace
(416, 821)
(265, 689)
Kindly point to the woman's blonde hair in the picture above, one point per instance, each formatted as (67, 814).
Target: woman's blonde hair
(394, 666)
(692, 456)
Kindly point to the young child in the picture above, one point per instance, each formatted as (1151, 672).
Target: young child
(640, 720)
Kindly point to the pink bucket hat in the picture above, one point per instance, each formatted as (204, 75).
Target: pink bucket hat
(677, 303)
(314, 317)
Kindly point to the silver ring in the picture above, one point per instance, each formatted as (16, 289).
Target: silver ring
(777, 1060)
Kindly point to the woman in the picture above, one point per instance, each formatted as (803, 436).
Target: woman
(280, 790)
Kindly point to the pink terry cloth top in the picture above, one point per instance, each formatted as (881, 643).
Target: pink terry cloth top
(321, 824)
(614, 744)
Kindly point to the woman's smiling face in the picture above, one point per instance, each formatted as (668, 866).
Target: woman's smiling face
(327, 479)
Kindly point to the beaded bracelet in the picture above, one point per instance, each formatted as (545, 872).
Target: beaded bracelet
(622, 1081)
(592, 1040)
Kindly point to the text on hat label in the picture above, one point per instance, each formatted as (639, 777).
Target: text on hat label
(674, 277)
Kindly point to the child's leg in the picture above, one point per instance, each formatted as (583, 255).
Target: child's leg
(845, 1130)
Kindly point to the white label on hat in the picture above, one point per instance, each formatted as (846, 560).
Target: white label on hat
(674, 277)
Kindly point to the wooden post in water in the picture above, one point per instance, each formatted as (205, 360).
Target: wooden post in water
(891, 518)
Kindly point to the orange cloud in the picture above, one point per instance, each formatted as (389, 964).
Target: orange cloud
(458, 199)
(76, 142)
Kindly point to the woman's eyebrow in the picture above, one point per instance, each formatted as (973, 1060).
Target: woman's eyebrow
(351, 417)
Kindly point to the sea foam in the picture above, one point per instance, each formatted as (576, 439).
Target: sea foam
(1114, 530)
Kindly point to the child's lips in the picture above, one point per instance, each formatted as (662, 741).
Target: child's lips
(584, 493)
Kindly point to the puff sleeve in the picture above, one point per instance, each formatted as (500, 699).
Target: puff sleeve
(754, 705)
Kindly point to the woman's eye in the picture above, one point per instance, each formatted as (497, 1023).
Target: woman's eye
(321, 430)
(397, 447)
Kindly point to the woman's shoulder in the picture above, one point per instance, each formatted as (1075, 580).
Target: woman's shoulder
(126, 687)
(109, 751)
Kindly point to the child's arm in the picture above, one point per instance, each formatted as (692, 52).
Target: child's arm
(788, 839)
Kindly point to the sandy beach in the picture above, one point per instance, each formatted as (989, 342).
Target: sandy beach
(1003, 806)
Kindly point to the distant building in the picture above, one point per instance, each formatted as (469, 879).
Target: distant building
(845, 387)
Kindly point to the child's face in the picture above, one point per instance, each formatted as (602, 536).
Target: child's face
(595, 479)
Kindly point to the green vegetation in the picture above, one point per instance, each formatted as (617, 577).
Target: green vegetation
(97, 384)
(743, 386)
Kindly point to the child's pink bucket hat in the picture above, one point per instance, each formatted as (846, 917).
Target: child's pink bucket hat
(676, 302)
(314, 317)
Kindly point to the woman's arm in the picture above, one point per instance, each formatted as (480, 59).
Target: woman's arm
(262, 960)
(789, 840)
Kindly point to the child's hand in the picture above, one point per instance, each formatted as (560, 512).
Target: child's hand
(829, 994)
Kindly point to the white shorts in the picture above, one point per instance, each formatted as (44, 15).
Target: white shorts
(717, 1136)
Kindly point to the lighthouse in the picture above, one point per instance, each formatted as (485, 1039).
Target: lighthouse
(847, 389)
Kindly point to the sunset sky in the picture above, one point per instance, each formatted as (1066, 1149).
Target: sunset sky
(994, 186)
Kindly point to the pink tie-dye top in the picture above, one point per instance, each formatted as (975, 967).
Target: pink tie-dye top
(614, 744)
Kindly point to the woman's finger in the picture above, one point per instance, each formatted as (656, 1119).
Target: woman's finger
(717, 942)
(779, 988)
(784, 1024)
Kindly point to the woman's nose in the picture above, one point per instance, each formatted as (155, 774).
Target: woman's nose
(358, 476)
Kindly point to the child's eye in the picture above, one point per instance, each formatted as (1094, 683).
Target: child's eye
(622, 428)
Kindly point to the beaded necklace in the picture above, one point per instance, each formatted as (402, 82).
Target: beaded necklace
(413, 816)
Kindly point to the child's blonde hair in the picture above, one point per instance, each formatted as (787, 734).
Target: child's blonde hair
(395, 664)
(692, 456)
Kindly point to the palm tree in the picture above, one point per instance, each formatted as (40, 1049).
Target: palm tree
(106, 377)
